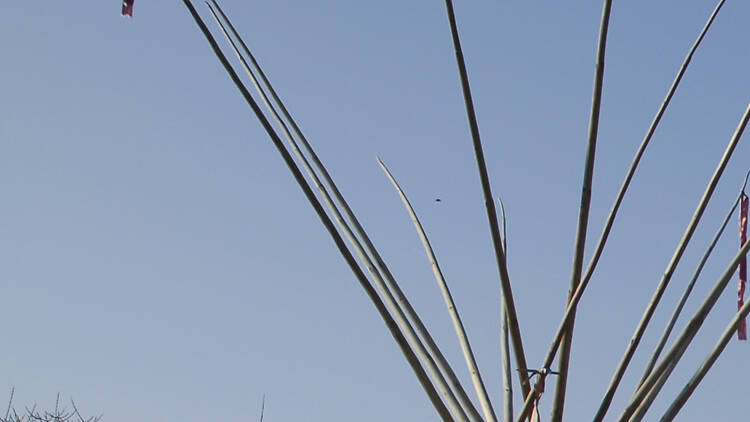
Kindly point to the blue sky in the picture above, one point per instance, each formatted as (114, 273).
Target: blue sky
(158, 261)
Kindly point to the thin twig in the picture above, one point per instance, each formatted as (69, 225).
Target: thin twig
(386, 283)
(80, 417)
(507, 292)
(463, 339)
(10, 401)
(346, 254)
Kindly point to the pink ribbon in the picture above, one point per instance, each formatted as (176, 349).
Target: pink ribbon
(742, 328)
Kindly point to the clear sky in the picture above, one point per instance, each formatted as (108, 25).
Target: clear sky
(158, 262)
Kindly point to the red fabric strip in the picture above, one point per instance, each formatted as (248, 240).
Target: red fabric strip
(742, 328)
(127, 8)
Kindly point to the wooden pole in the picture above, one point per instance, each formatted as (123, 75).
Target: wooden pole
(382, 268)
(646, 403)
(504, 340)
(507, 292)
(648, 400)
(677, 350)
(689, 288)
(567, 325)
(395, 309)
(680, 249)
(458, 326)
(701, 207)
(703, 369)
(371, 293)
(654, 391)
(619, 372)
(583, 216)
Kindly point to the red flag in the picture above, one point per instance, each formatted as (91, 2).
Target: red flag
(742, 328)
(127, 8)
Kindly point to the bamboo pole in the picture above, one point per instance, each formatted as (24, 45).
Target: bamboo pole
(646, 403)
(689, 288)
(395, 309)
(507, 370)
(686, 337)
(382, 272)
(656, 373)
(703, 369)
(564, 334)
(463, 339)
(619, 372)
(289, 161)
(701, 207)
(504, 341)
(648, 400)
(507, 292)
(558, 404)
